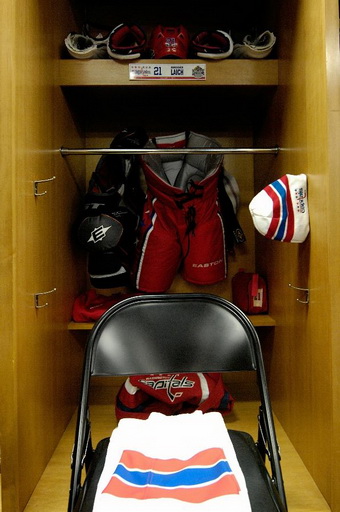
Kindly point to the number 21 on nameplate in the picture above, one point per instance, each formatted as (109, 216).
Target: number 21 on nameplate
(159, 71)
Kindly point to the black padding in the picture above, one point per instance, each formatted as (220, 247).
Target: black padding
(88, 492)
(262, 494)
(106, 270)
(99, 233)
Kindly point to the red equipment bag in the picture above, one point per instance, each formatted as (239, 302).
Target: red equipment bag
(172, 394)
(90, 305)
(249, 291)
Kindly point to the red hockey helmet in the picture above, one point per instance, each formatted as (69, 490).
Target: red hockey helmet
(214, 44)
(169, 42)
(126, 42)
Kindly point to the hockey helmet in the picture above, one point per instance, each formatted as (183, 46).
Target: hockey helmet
(215, 44)
(126, 42)
(169, 42)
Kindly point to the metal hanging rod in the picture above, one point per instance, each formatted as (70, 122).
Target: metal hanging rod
(148, 151)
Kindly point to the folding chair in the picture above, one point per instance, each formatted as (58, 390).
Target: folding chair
(178, 333)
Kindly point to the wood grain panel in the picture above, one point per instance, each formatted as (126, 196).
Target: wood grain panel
(38, 370)
(8, 402)
(301, 364)
(333, 74)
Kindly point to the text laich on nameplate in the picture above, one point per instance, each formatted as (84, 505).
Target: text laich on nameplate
(160, 71)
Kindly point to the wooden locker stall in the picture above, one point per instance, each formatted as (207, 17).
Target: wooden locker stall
(49, 100)
(303, 119)
(40, 361)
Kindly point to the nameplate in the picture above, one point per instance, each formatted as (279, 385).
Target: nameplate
(157, 71)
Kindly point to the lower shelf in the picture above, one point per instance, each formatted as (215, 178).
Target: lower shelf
(257, 321)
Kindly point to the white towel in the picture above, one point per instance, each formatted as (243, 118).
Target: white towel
(166, 463)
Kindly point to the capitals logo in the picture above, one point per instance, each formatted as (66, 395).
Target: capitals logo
(170, 383)
(300, 198)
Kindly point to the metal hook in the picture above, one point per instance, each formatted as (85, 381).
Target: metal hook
(36, 298)
(36, 184)
(305, 290)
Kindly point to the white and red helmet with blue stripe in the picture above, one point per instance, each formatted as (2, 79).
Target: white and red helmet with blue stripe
(280, 210)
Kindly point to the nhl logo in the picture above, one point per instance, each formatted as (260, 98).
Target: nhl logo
(198, 72)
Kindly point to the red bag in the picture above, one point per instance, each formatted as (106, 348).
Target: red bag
(90, 305)
(172, 394)
(249, 292)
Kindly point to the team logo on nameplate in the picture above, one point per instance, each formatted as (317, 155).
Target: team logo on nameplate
(156, 71)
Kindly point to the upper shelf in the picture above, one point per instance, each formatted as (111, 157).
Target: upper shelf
(228, 72)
